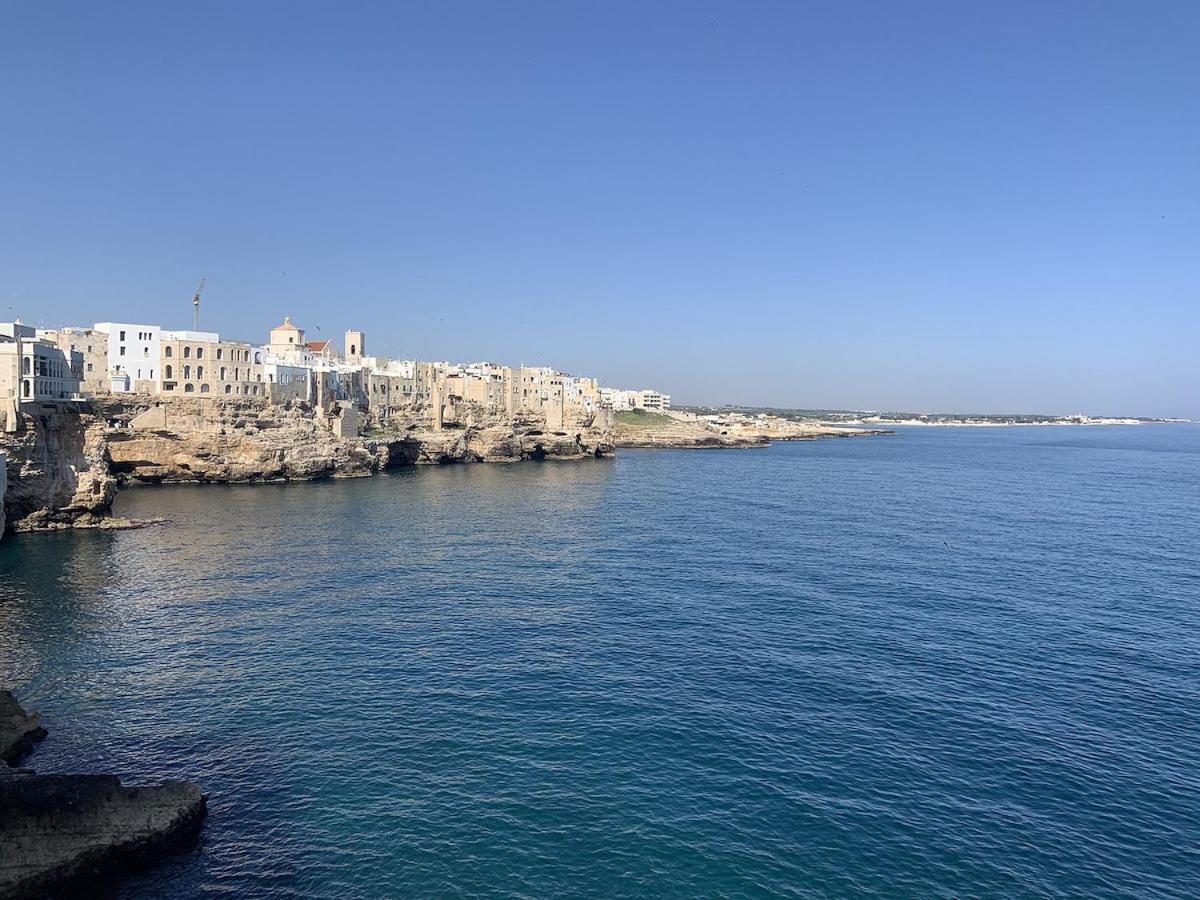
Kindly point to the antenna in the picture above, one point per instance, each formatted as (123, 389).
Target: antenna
(196, 302)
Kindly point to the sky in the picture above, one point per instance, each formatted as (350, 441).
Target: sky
(918, 206)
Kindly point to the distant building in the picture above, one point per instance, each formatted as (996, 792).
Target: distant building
(35, 370)
(199, 362)
(623, 401)
(93, 345)
(356, 347)
(132, 357)
(286, 339)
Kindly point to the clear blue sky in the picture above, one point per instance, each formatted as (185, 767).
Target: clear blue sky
(902, 205)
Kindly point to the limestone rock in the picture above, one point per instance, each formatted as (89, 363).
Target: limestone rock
(60, 833)
(19, 730)
(58, 468)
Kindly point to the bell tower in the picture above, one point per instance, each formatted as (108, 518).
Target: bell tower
(356, 346)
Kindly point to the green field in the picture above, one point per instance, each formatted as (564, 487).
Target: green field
(640, 418)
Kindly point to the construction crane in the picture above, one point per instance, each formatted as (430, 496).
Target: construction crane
(196, 302)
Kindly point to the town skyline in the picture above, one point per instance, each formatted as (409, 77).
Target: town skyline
(667, 389)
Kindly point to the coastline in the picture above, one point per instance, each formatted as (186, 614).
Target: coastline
(65, 468)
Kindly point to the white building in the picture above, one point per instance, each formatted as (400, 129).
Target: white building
(623, 400)
(285, 380)
(133, 354)
(34, 370)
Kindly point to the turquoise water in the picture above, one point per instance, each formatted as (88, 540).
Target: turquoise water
(948, 663)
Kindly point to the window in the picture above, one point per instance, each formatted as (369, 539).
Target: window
(199, 371)
(145, 353)
(219, 352)
(258, 357)
(189, 389)
(204, 388)
(199, 353)
(187, 371)
(228, 388)
(168, 352)
(187, 352)
(25, 367)
(89, 365)
(222, 368)
(122, 336)
(170, 372)
(121, 351)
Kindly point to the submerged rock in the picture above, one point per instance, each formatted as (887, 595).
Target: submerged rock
(59, 833)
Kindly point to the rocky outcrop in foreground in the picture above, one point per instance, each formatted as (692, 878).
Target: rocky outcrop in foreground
(61, 834)
(19, 730)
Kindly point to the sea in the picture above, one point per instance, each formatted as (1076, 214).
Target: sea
(952, 662)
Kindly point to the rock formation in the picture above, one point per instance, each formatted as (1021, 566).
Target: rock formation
(60, 834)
(58, 471)
(65, 468)
(680, 430)
(227, 441)
(59, 831)
(19, 730)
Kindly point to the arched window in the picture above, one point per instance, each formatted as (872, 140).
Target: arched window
(228, 388)
(258, 357)
(170, 372)
(189, 388)
(199, 353)
(25, 368)
(199, 371)
(25, 387)
(187, 371)
(204, 388)
(187, 352)
(235, 375)
(169, 352)
(222, 373)
(353, 350)
(219, 352)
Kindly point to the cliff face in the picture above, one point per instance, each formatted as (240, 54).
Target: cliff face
(58, 472)
(476, 436)
(228, 441)
(64, 469)
(244, 440)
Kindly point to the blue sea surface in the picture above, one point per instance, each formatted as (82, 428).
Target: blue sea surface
(948, 663)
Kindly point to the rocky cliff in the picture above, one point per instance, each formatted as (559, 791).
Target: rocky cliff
(58, 471)
(249, 440)
(61, 835)
(226, 441)
(64, 468)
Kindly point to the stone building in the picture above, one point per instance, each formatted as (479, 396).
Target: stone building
(356, 347)
(35, 370)
(199, 362)
(93, 345)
